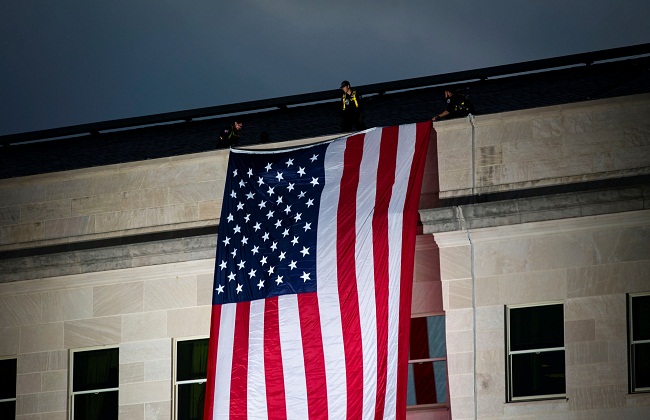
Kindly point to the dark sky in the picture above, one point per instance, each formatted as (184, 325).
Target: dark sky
(69, 62)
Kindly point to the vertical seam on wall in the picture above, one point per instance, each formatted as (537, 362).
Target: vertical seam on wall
(463, 225)
(471, 122)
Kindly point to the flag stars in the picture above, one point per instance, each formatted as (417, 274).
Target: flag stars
(244, 240)
(230, 217)
(219, 289)
(250, 172)
(263, 261)
(233, 194)
(310, 202)
(257, 226)
(314, 181)
(250, 196)
(279, 200)
(231, 276)
(269, 214)
(265, 236)
(237, 229)
(285, 233)
(234, 173)
(279, 176)
(252, 273)
(247, 218)
(301, 195)
(268, 167)
(262, 204)
(274, 246)
(241, 264)
(298, 216)
(305, 277)
(301, 171)
(278, 281)
(222, 265)
(307, 227)
(239, 288)
(271, 270)
(278, 223)
(255, 250)
(270, 191)
(289, 162)
(240, 206)
(234, 252)
(226, 241)
(260, 284)
(291, 185)
(305, 251)
(313, 158)
(260, 181)
(287, 210)
(282, 256)
(292, 264)
(294, 241)
(242, 184)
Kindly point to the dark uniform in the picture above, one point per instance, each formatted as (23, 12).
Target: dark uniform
(228, 137)
(352, 112)
(459, 106)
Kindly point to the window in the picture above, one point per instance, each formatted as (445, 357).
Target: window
(94, 382)
(427, 377)
(535, 341)
(191, 358)
(639, 342)
(7, 388)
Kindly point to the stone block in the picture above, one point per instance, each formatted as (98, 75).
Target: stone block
(582, 330)
(143, 351)
(9, 342)
(460, 363)
(455, 263)
(29, 383)
(48, 210)
(157, 410)
(67, 304)
(41, 337)
(178, 292)
(587, 352)
(17, 310)
(17, 195)
(9, 215)
(158, 370)
(68, 227)
(116, 221)
(145, 392)
(54, 401)
(118, 299)
(179, 213)
(487, 291)
(133, 412)
(461, 385)
(144, 326)
(512, 256)
(92, 332)
(55, 380)
(188, 322)
(131, 372)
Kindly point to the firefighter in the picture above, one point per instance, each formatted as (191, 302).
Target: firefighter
(351, 109)
(230, 135)
(457, 106)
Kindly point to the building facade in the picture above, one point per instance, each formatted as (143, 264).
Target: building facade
(532, 272)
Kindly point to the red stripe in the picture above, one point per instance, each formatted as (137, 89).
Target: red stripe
(385, 179)
(208, 407)
(346, 274)
(239, 372)
(312, 344)
(423, 131)
(275, 392)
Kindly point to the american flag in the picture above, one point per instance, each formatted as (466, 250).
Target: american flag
(313, 277)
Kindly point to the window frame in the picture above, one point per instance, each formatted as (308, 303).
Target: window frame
(631, 342)
(71, 392)
(6, 400)
(509, 353)
(417, 407)
(175, 383)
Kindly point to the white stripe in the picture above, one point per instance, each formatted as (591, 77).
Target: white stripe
(328, 293)
(405, 151)
(365, 268)
(223, 371)
(293, 360)
(256, 388)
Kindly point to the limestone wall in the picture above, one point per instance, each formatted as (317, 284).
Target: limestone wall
(554, 145)
(588, 264)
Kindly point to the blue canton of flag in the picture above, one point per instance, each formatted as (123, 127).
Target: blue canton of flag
(267, 231)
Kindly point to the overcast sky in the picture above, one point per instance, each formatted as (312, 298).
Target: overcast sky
(69, 62)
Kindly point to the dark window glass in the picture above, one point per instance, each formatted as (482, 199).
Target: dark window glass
(537, 374)
(427, 383)
(96, 406)
(97, 369)
(190, 401)
(536, 327)
(641, 318)
(427, 338)
(8, 410)
(641, 354)
(7, 379)
(191, 359)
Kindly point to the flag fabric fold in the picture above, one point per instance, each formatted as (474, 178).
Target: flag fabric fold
(313, 279)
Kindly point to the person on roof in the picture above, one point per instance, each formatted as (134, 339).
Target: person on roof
(457, 106)
(351, 109)
(230, 135)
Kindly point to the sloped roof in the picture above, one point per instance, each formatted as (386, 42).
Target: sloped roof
(385, 106)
